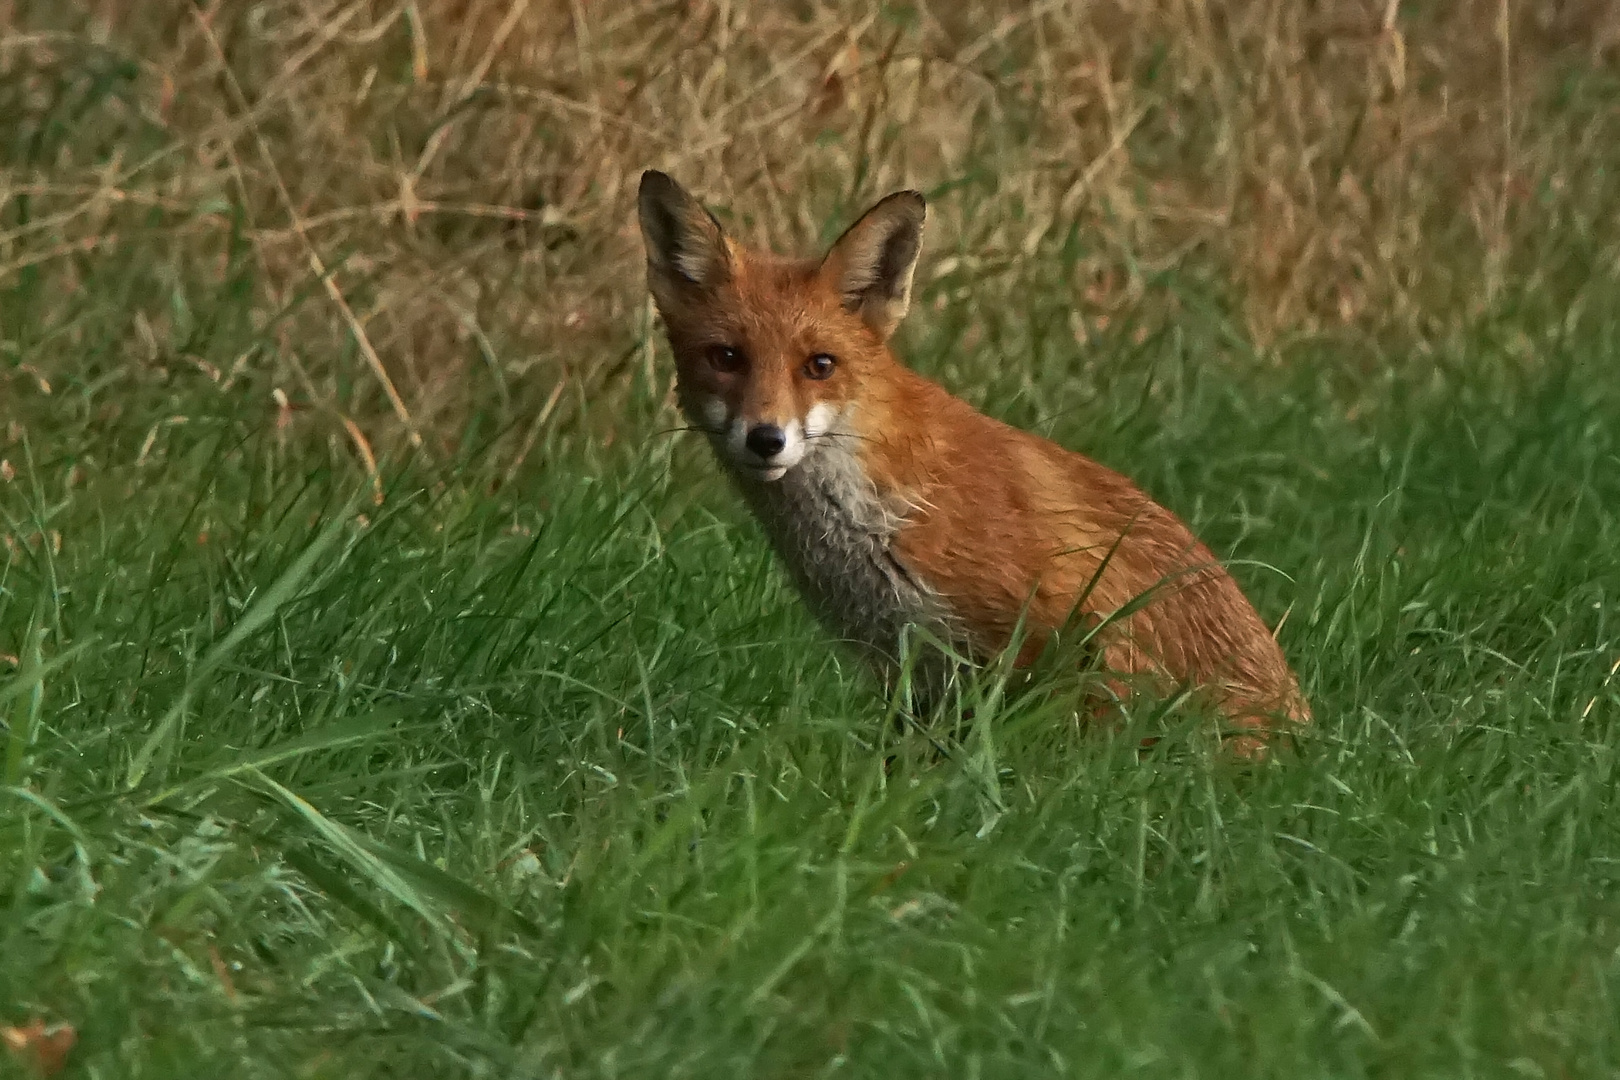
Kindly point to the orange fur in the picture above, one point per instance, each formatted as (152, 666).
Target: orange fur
(912, 505)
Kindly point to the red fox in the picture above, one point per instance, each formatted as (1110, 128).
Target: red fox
(893, 503)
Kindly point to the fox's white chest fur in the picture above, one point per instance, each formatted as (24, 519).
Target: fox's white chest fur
(835, 533)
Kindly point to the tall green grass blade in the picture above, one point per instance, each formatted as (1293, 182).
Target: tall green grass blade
(352, 849)
(258, 613)
(343, 734)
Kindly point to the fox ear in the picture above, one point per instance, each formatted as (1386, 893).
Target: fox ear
(870, 266)
(685, 246)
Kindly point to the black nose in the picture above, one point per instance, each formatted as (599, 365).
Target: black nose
(766, 440)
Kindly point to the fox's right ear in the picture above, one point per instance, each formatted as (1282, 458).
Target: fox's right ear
(685, 246)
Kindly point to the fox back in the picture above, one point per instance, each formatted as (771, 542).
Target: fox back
(894, 503)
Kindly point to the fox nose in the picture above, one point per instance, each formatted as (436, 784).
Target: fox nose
(766, 440)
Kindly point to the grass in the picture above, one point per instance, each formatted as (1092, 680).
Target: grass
(512, 753)
(561, 781)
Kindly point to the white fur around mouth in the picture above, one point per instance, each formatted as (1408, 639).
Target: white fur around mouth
(773, 467)
(820, 420)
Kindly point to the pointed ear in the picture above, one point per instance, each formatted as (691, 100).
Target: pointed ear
(870, 266)
(685, 246)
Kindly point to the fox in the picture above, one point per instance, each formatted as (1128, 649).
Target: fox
(894, 504)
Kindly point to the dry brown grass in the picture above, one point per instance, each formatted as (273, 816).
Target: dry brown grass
(437, 193)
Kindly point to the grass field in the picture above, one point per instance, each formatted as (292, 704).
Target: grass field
(516, 755)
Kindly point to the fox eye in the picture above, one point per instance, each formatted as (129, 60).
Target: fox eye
(820, 366)
(725, 358)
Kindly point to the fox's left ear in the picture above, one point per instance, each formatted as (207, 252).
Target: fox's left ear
(870, 266)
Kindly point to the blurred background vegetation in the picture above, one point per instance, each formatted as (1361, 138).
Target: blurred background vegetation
(423, 209)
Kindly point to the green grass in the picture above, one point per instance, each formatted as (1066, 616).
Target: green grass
(559, 780)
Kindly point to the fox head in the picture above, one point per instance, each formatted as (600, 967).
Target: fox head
(772, 353)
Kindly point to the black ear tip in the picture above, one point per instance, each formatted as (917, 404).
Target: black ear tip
(655, 183)
(912, 200)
